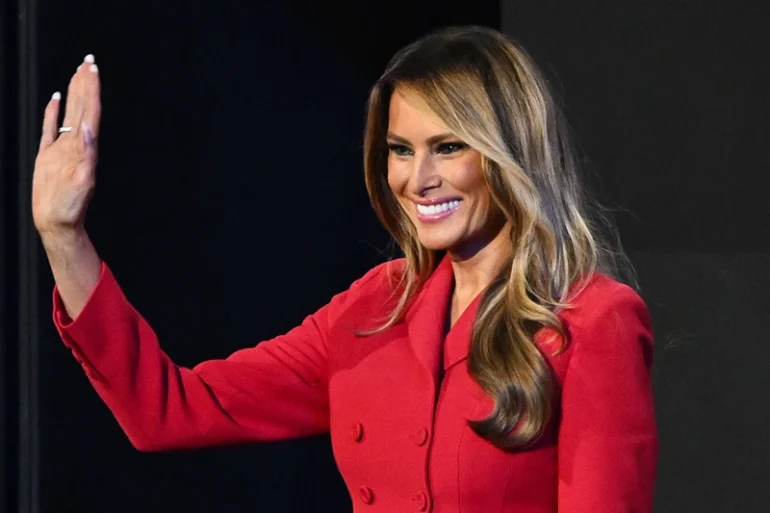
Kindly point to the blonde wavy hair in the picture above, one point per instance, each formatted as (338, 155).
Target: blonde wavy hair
(489, 93)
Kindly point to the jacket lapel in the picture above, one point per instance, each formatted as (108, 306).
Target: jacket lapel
(426, 320)
(458, 340)
(427, 316)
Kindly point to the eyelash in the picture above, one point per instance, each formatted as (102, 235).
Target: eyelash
(458, 146)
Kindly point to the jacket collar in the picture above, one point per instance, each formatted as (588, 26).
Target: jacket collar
(426, 321)
(458, 340)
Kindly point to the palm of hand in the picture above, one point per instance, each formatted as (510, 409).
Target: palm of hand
(64, 175)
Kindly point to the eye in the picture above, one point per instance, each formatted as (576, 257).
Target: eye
(399, 150)
(450, 147)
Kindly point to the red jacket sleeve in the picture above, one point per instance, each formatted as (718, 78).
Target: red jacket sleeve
(608, 445)
(275, 390)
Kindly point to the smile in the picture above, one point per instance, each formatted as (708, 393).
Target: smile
(437, 211)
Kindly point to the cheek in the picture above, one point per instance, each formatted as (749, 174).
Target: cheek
(468, 178)
(397, 179)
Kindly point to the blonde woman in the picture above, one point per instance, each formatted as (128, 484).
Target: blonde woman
(500, 366)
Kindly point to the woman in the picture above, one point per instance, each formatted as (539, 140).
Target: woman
(499, 366)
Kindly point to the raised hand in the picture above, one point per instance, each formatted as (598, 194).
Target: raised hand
(65, 168)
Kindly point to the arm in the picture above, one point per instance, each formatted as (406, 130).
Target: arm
(272, 391)
(608, 442)
(276, 390)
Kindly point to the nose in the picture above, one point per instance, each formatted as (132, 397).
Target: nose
(424, 175)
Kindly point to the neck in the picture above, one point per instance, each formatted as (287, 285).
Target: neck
(475, 271)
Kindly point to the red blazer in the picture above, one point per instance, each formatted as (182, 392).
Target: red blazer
(397, 422)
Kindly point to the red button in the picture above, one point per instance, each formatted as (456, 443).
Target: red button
(421, 437)
(421, 501)
(358, 432)
(367, 495)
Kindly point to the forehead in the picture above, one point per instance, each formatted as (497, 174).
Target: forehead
(410, 117)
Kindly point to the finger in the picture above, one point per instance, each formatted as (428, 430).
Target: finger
(92, 97)
(50, 121)
(69, 106)
(73, 115)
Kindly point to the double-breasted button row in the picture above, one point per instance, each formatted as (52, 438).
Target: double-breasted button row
(421, 501)
(420, 437)
(357, 434)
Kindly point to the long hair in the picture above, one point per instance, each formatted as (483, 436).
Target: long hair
(489, 93)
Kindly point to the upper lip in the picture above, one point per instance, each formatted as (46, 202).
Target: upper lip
(437, 201)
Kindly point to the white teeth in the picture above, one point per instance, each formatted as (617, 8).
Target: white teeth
(431, 210)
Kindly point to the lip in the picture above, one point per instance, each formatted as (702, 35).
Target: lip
(436, 201)
(432, 218)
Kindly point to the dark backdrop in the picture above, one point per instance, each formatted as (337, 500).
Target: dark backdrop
(669, 101)
(230, 203)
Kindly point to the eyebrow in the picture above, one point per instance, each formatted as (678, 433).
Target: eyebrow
(431, 140)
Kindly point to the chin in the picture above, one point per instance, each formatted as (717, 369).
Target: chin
(436, 246)
(437, 242)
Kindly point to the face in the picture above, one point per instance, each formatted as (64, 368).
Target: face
(438, 180)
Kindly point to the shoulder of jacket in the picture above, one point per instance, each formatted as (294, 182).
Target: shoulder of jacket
(383, 271)
(381, 279)
(368, 295)
(601, 299)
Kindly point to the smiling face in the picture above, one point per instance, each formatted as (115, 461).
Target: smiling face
(438, 180)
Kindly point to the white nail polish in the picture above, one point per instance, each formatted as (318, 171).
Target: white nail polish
(89, 58)
(94, 68)
(56, 96)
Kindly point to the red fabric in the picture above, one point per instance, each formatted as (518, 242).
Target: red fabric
(396, 403)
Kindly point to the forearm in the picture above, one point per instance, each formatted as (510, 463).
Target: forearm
(274, 391)
(75, 265)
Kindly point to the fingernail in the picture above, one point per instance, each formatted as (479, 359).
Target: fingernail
(87, 134)
(94, 68)
(56, 96)
(89, 58)
(79, 68)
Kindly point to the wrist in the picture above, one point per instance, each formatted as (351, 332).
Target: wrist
(62, 238)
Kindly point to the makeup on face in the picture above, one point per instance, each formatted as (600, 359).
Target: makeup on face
(436, 177)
